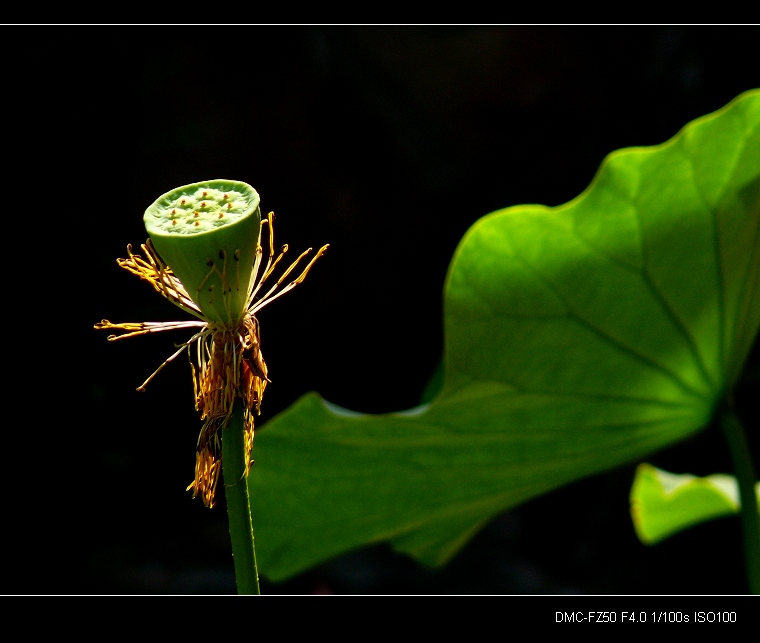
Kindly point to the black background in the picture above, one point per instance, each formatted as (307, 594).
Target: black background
(387, 143)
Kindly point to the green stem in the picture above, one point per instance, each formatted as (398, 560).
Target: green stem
(745, 474)
(235, 475)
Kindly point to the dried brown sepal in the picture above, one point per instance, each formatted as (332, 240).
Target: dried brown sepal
(230, 366)
(208, 462)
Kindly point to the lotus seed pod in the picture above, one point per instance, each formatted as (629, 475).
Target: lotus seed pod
(207, 234)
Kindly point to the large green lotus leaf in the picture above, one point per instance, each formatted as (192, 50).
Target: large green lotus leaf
(577, 338)
(664, 503)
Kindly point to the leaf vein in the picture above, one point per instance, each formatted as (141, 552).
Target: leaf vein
(622, 347)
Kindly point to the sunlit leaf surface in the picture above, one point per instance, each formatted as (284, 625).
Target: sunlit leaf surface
(577, 338)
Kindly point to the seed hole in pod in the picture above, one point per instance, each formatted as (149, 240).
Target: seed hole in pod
(210, 262)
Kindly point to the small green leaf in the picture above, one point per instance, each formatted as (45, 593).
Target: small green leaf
(577, 338)
(663, 503)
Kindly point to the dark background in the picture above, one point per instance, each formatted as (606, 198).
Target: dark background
(386, 142)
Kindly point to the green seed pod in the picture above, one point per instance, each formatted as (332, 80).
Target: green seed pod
(207, 234)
